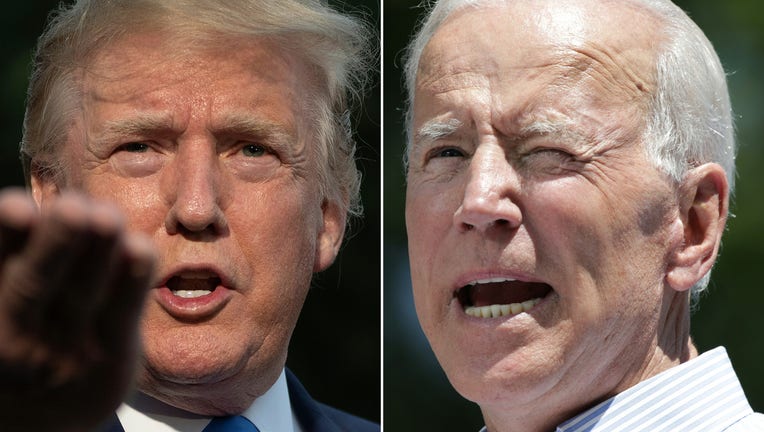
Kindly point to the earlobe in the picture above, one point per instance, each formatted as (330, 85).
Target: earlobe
(704, 201)
(330, 236)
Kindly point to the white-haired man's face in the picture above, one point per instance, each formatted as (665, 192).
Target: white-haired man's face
(210, 154)
(540, 235)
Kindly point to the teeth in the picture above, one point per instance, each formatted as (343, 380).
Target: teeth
(191, 293)
(495, 311)
(491, 280)
(515, 308)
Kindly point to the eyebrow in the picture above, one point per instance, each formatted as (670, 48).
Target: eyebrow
(248, 125)
(544, 127)
(434, 130)
(437, 129)
(245, 125)
(138, 126)
(562, 128)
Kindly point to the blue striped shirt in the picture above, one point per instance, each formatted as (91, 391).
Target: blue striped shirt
(702, 394)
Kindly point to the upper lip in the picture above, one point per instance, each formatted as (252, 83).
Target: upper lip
(197, 270)
(486, 276)
(490, 280)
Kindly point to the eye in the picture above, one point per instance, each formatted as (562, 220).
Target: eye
(445, 152)
(549, 152)
(134, 147)
(254, 150)
(550, 161)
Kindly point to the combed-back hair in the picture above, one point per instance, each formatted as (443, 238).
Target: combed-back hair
(336, 47)
(689, 120)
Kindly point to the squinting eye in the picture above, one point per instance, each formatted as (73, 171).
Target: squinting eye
(551, 152)
(134, 147)
(253, 150)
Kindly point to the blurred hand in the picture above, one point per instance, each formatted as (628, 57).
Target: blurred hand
(72, 285)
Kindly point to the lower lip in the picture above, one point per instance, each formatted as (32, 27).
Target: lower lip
(193, 309)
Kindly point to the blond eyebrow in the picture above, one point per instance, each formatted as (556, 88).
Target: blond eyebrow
(138, 126)
(434, 130)
(233, 125)
(248, 125)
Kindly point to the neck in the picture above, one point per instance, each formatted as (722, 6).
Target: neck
(670, 347)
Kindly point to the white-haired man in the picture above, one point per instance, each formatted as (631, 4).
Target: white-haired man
(569, 171)
(193, 168)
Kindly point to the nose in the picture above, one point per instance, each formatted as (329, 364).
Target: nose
(195, 192)
(491, 192)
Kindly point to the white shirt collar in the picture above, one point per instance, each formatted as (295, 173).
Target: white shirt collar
(701, 394)
(271, 412)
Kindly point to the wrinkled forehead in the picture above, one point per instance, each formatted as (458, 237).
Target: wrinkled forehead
(245, 76)
(531, 33)
(160, 53)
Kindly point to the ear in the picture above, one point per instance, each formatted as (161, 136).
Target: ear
(704, 203)
(330, 236)
(44, 187)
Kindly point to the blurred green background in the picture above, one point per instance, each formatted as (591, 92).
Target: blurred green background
(335, 349)
(417, 395)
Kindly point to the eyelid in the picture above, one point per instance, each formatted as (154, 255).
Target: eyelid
(246, 143)
(436, 152)
(125, 146)
(550, 149)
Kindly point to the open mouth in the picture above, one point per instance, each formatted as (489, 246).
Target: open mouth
(497, 297)
(193, 284)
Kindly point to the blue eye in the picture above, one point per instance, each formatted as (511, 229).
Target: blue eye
(135, 147)
(253, 150)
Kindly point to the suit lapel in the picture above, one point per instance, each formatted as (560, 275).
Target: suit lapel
(111, 425)
(307, 411)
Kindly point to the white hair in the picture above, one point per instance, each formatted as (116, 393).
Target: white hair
(689, 119)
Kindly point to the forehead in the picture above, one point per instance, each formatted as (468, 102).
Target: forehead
(154, 71)
(609, 45)
(522, 26)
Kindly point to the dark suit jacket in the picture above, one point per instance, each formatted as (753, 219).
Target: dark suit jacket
(313, 416)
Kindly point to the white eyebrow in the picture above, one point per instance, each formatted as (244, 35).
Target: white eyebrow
(545, 126)
(437, 129)
(561, 128)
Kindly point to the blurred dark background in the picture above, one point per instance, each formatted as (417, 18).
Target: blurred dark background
(335, 349)
(417, 395)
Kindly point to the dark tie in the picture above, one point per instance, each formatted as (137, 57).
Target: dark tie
(231, 424)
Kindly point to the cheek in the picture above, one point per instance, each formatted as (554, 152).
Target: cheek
(429, 216)
(569, 226)
(429, 219)
(139, 200)
(277, 230)
(598, 241)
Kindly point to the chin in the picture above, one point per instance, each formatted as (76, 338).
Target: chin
(206, 388)
(512, 378)
(196, 354)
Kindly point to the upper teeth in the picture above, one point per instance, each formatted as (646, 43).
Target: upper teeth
(191, 293)
(495, 311)
(490, 280)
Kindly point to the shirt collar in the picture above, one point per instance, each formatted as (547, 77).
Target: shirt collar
(271, 412)
(701, 394)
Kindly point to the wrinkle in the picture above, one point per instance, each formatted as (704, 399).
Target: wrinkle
(610, 70)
